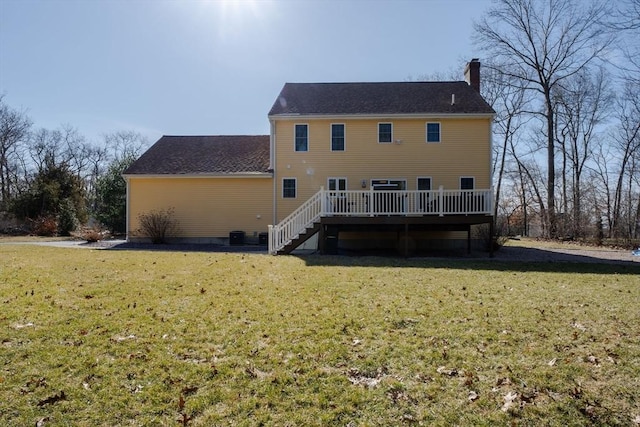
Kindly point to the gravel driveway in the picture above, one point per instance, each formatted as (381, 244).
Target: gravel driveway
(565, 253)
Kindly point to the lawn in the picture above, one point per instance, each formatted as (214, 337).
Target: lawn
(113, 337)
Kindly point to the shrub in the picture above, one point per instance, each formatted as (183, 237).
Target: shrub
(158, 225)
(92, 235)
(44, 226)
(67, 220)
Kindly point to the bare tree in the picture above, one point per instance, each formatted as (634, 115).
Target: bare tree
(14, 129)
(626, 20)
(123, 144)
(540, 44)
(583, 106)
(509, 103)
(627, 144)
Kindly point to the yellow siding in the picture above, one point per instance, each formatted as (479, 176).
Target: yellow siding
(464, 150)
(205, 207)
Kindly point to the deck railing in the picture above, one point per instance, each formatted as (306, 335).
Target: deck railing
(439, 202)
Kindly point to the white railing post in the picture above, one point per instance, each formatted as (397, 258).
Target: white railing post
(323, 201)
(440, 201)
(371, 203)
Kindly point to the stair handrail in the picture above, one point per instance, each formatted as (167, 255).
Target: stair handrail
(283, 233)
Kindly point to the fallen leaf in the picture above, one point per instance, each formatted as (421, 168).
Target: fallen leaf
(53, 399)
(509, 398)
(592, 359)
(444, 371)
(552, 362)
(41, 421)
(120, 338)
(473, 396)
(23, 325)
(579, 326)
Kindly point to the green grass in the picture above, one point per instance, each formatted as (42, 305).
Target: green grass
(98, 337)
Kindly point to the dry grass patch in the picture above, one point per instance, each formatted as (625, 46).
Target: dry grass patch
(98, 337)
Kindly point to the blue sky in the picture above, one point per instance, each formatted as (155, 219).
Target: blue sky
(191, 67)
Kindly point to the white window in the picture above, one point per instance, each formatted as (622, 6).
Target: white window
(385, 133)
(424, 199)
(337, 184)
(467, 183)
(433, 132)
(288, 188)
(337, 137)
(301, 137)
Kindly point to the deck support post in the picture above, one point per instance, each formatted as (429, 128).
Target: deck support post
(406, 239)
(491, 231)
(468, 239)
(321, 239)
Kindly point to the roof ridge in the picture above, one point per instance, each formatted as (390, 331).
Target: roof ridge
(211, 135)
(381, 82)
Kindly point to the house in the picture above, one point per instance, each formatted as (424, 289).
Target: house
(402, 165)
(214, 184)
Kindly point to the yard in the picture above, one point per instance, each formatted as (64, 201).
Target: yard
(133, 337)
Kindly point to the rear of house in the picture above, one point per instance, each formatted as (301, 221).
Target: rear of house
(403, 166)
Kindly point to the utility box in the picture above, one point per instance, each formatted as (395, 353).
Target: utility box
(236, 238)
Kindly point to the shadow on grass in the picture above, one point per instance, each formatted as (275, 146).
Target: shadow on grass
(507, 259)
(183, 247)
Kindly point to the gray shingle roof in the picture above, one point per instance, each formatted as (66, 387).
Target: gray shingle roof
(379, 99)
(204, 155)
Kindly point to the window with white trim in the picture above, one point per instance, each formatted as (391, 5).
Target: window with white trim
(385, 133)
(424, 200)
(288, 188)
(433, 132)
(337, 137)
(424, 183)
(467, 183)
(301, 137)
(338, 202)
(337, 184)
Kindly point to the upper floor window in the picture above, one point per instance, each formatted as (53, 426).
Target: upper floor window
(467, 183)
(433, 132)
(385, 132)
(302, 137)
(289, 188)
(337, 137)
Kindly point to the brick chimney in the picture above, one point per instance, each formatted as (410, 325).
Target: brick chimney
(472, 73)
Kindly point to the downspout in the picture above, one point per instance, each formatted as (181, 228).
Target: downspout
(128, 195)
(491, 171)
(272, 161)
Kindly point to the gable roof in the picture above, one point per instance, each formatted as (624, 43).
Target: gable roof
(379, 99)
(205, 155)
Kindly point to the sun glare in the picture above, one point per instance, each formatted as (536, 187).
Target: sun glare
(232, 17)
